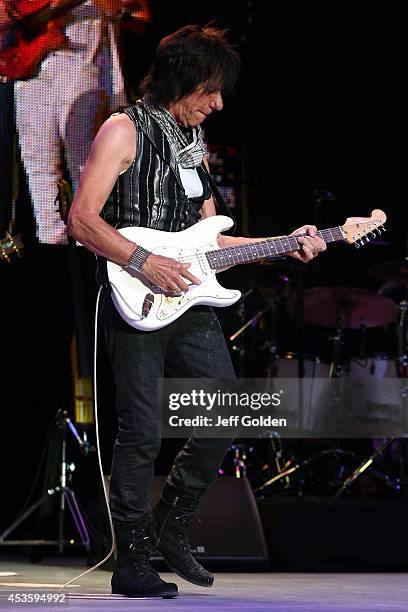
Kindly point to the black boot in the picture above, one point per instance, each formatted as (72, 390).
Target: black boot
(172, 518)
(133, 575)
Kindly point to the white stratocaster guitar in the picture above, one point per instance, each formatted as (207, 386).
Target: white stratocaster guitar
(147, 307)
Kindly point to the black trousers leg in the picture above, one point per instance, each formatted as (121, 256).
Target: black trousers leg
(199, 351)
(192, 347)
(137, 360)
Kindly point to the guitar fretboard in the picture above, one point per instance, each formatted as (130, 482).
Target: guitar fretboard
(272, 247)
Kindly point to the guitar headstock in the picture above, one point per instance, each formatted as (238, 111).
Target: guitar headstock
(360, 230)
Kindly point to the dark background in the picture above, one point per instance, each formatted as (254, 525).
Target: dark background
(321, 105)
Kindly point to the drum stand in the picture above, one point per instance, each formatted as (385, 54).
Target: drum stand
(402, 369)
(253, 321)
(272, 370)
(337, 452)
(337, 364)
(281, 474)
(367, 463)
(66, 497)
(402, 340)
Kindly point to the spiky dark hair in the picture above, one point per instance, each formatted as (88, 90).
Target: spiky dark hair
(193, 55)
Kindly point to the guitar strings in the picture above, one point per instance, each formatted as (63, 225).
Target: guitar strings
(328, 233)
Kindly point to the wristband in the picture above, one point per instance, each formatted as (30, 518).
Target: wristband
(137, 259)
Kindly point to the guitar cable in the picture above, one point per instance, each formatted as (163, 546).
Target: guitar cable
(98, 448)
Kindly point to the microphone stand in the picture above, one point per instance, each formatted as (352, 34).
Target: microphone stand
(66, 496)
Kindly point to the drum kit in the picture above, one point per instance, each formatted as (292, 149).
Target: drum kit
(362, 335)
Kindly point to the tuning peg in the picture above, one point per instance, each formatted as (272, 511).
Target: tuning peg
(372, 234)
(357, 245)
(368, 239)
(384, 229)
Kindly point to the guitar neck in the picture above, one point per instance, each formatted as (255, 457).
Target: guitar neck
(271, 247)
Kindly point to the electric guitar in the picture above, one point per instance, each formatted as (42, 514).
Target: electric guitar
(147, 307)
(35, 30)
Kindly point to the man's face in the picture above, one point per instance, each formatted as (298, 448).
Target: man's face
(191, 110)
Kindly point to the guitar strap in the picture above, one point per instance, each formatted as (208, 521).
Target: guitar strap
(222, 205)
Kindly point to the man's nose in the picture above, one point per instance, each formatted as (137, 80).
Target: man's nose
(216, 102)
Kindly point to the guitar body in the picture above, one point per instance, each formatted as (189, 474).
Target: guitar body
(145, 306)
(23, 60)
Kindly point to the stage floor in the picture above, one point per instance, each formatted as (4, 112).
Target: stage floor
(247, 592)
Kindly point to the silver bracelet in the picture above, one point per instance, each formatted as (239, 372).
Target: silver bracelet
(137, 259)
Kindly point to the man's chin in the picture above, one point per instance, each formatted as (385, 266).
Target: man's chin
(199, 118)
(196, 120)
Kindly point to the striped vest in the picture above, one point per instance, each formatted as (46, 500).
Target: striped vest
(150, 193)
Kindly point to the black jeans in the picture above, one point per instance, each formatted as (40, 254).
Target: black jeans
(191, 347)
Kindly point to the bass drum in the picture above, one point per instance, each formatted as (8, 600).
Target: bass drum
(311, 388)
(372, 389)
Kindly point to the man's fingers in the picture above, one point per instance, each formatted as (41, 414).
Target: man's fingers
(308, 254)
(186, 274)
(307, 243)
(169, 274)
(308, 248)
(310, 245)
(317, 243)
(311, 230)
(181, 285)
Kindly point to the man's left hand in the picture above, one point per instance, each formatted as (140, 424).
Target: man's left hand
(311, 245)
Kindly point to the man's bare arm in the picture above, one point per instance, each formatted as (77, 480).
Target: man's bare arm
(112, 152)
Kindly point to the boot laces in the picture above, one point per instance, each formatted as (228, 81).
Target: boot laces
(139, 551)
(184, 518)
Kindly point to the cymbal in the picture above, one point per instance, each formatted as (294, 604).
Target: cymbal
(347, 308)
(390, 270)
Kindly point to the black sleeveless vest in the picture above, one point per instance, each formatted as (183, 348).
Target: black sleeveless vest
(150, 193)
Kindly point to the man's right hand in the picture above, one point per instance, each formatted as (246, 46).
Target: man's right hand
(168, 274)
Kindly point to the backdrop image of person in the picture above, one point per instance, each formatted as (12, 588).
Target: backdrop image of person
(60, 108)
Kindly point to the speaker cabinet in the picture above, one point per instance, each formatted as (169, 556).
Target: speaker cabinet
(229, 530)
